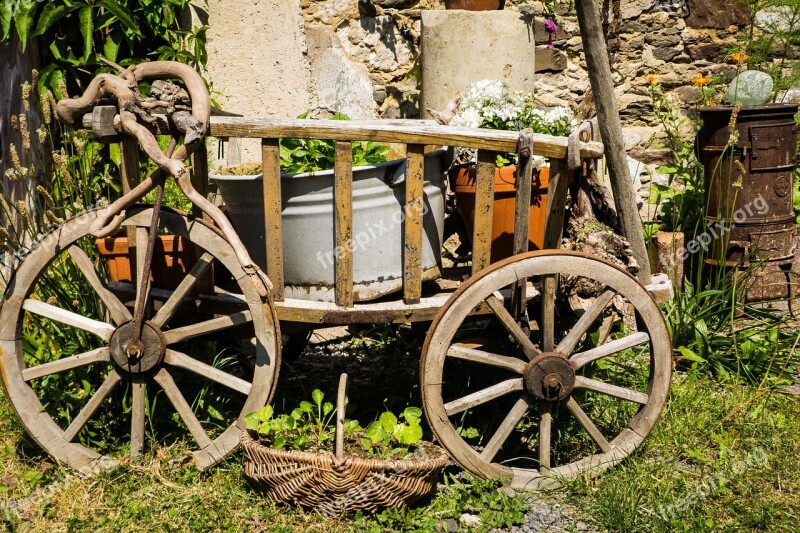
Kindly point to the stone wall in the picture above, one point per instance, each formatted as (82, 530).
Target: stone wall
(360, 57)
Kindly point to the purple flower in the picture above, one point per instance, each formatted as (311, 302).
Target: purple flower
(550, 27)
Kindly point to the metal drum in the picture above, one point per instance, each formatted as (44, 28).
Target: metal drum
(748, 186)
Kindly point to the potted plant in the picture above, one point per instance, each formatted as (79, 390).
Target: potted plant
(488, 104)
(385, 465)
(173, 256)
(474, 5)
(307, 216)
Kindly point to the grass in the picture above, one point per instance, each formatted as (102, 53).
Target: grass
(695, 461)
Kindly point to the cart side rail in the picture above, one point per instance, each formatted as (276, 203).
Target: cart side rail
(416, 135)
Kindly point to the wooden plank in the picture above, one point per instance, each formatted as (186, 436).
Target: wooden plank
(273, 224)
(596, 50)
(379, 131)
(199, 177)
(556, 204)
(484, 210)
(522, 214)
(182, 407)
(414, 207)
(343, 224)
(129, 175)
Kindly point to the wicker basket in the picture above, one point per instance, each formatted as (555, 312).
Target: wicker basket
(336, 483)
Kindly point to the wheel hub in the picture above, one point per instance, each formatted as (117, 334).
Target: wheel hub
(137, 355)
(550, 377)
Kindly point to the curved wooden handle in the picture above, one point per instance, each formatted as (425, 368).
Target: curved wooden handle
(340, 408)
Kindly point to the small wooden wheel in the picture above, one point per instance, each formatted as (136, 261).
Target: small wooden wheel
(84, 392)
(534, 405)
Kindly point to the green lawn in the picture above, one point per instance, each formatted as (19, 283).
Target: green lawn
(722, 458)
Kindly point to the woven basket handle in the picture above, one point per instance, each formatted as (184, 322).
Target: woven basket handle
(340, 408)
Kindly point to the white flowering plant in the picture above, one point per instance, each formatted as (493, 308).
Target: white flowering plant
(489, 104)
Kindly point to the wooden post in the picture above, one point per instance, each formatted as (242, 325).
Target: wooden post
(610, 124)
(412, 245)
(273, 224)
(343, 224)
(484, 210)
(129, 170)
(199, 177)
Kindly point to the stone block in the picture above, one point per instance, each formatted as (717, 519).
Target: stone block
(717, 14)
(550, 60)
(461, 47)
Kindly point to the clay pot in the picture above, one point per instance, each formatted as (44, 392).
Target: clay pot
(172, 259)
(472, 5)
(505, 201)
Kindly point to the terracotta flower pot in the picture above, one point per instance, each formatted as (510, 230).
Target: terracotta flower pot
(172, 259)
(472, 5)
(504, 207)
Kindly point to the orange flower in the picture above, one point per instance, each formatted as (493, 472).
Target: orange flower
(652, 79)
(702, 81)
(739, 57)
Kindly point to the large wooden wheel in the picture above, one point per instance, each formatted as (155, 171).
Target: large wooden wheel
(536, 405)
(86, 395)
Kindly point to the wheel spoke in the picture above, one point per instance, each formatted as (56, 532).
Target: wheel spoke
(581, 327)
(182, 407)
(209, 326)
(119, 313)
(181, 360)
(187, 284)
(483, 396)
(459, 351)
(545, 433)
(511, 325)
(582, 359)
(142, 238)
(506, 427)
(43, 309)
(588, 425)
(68, 363)
(582, 382)
(137, 417)
(548, 312)
(92, 406)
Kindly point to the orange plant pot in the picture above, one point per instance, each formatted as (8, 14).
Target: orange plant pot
(472, 5)
(173, 256)
(505, 202)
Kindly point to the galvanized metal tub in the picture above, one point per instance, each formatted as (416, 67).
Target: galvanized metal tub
(308, 238)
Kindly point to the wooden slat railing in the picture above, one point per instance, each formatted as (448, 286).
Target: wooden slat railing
(416, 135)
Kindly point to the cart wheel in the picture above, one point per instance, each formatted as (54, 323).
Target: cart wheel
(86, 400)
(534, 408)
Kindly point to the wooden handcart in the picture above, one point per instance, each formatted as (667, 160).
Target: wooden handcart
(502, 356)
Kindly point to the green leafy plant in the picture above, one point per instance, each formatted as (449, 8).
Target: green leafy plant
(310, 427)
(77, 33)
(382, 434)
